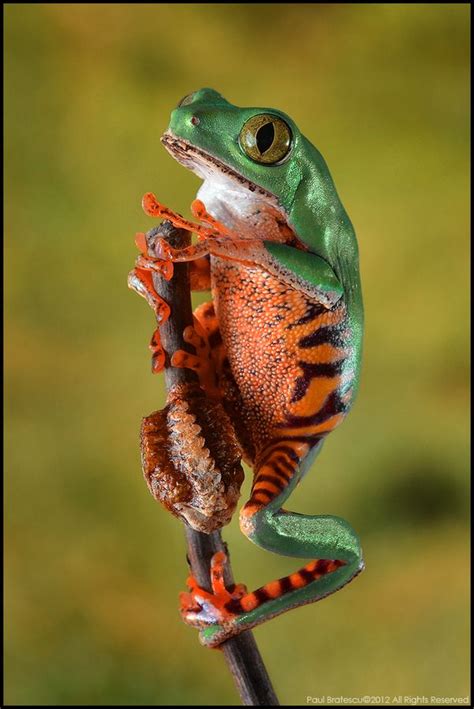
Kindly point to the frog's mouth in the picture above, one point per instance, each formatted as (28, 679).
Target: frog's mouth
(229, 196)
(208, 167)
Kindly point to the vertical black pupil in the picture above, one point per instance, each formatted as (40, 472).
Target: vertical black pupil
(265, 136)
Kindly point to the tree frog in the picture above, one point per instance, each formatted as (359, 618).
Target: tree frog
(279, 343)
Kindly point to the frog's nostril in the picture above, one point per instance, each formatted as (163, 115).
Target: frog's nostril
(195, 120)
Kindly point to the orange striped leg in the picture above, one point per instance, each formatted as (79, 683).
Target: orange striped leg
(276, 474)
(205, 337)
(329, 542)
(224, 612)
(200, 607)
(273, 590)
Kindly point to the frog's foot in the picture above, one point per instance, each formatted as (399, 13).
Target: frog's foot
(153, 208)
(202, 362)
(210, 228)
(211, 611)
(199, 210)
(140, 280)
(200, 274)
(157, 353)
(223, 613)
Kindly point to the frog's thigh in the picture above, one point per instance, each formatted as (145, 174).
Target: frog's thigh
(267, 525)
(276, 474)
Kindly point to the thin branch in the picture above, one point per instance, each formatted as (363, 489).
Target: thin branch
(241, 652)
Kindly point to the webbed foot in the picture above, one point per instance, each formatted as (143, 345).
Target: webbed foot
(211, 611)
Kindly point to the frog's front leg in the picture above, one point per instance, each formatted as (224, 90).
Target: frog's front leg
(329, 542)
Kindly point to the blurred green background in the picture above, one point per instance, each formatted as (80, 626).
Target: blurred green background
(94, 565)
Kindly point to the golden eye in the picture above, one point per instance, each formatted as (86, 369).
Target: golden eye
(266, 138)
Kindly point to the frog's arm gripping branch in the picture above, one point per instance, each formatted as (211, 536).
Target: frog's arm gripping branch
(241, 652)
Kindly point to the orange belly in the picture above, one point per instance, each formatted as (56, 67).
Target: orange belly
(266, 328)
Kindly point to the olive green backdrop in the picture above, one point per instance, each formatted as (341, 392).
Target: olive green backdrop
(94, 565)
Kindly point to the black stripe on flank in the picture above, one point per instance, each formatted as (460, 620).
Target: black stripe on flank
(311, 371)
(312, 311)
(322, 369)
(333, 405)
(327, 335)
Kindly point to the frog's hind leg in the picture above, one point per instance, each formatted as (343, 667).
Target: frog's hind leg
(329, 542)
(204, 335)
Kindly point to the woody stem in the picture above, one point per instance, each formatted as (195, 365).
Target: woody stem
(241, 652)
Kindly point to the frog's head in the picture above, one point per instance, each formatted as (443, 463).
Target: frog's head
(258, 153)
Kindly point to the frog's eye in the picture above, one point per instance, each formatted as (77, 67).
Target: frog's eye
(186, 100)
(266, 138)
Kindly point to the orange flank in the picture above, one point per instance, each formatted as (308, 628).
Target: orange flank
(328, 318)
(324, 353)
(315, 396)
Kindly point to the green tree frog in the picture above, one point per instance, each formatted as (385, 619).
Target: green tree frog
(279, 343)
